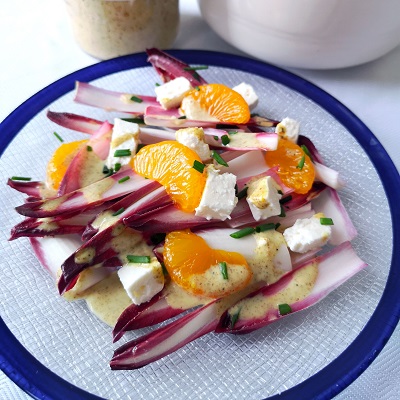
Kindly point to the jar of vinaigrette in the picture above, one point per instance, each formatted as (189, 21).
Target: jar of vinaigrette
(110, 28)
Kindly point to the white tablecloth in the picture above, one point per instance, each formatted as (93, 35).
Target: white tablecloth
(37, 48)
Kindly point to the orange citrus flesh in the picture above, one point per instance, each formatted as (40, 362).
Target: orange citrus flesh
(221, 102)
(288, 157)
(188, 256)
(171, 164)
(60, 161)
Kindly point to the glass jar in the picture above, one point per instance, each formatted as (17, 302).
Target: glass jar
(110, 28)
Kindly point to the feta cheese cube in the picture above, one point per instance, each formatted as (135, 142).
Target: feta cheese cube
(194, 139)
(125, 135)
(218, 199)
(142, 281)
(263, 198)
(248, 93)
(170, 94)
(288, 129)
(307, 234)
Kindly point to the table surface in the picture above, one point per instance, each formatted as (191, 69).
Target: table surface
(37, 35)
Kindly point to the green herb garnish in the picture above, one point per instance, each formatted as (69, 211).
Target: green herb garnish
(218, 159)
(124, 179)
(225, 140)
(300, 165)
(199, 67)
(136, 99)
(198, 166)
(235, 317)
(242, 193)
(138, 259)
(284, 309)
(117, 167)
(182, 117)
(20, 178)
(282, 214)
(224, 270)
(242, 233)
(58, 137)
(134, 120)
(265, 227)
(305, 149)
(122, 153)
(120, 211)
(284, 200)
(326, 221)
(89, 148)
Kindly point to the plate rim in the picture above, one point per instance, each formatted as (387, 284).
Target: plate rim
(356, 358)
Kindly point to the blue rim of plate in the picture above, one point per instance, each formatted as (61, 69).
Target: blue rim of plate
(38, 381)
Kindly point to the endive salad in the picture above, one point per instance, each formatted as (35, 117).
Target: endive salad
(187, 203)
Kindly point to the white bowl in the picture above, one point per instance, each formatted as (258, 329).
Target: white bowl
(307, 33)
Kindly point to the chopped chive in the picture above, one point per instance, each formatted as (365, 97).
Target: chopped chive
(282, 214)
(105, 169)
(157, 238)
(216, 138)
(232, 132)
(117, 166)
(242, 233)
(265, 227)
(284, 200)
(140, 146)
(277, 225)
(219, 159)
(122, 153)
(196, 75)
(199, 67)
(252, 115)
(284, 309)
(136, 99)
(58, 137)
(225, 140)
(89, 148)
(198, 166)
(134, 120)
(20, 178)
(197, 88)
(138, 259)
(164, 269)
(300, 165)
(305, 149)
(182, 117)
(326, 221)
(120, 211)
(224, 270)
(280, 192)
(157, 84)
(124, 179)
(235, 317)
(242, 193)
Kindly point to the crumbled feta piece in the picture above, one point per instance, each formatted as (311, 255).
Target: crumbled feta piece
(288, 129)
(248, 93)
(194, 139)
(218, 199)
(170, 94)
(193, 110)
(125, 135)
(263, 198)
(307, 234)
(142, 281)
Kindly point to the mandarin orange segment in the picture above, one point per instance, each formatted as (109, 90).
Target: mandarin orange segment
(195, 266)
(171, 164)
(60, 161)
(296, 170)
(221, 102)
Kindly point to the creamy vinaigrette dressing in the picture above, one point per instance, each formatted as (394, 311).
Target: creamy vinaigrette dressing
(93, 170)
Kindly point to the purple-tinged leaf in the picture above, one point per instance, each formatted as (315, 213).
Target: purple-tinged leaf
(75, 122)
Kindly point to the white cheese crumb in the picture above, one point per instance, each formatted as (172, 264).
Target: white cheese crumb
(125, 135)
(218, 199)
(194, 139)
(307, 234)
(142, 281)
(170, 94)
(288, 129)
(248, 93)
(263, 198)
